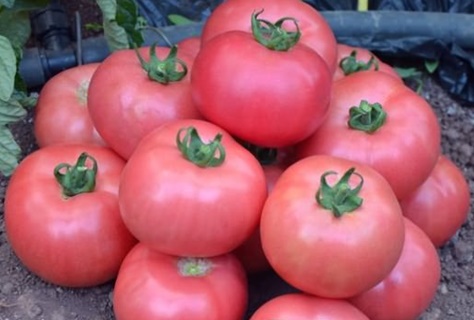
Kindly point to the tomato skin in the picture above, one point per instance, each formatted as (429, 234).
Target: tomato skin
(274, 99)
(363, 55)
(323, 255)
(149, 286)
(441, 204)
(208, 211)
(235, 15)
(75, 242)
(300, 306)
(191, 45)
(125, 104)
(404, 150)
(410, 287)
(61, 114)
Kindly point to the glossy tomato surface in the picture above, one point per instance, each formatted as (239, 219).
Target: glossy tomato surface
(152, 285)
(235, 15)
(441, 204)
(61, 113)
(300, 306)
(74, 241)
(328, 255)
(410, 287)
(404, 149)
(180, 208)
(125, 104)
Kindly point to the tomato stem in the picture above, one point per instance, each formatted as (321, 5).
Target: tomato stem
(77, 178)
(367, 117)
(166, 70)
(272, 35)
(350, 64)
(340, 198)
(195, 150)
(194, 267)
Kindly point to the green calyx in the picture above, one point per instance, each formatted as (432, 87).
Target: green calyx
(340, 198)
(170, 69)
(272, 35)
(78, 178)
(194, 267)
(202, 154)
(367, 117)
(350, 64)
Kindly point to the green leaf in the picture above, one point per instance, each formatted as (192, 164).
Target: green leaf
(28, 5)
(9, 151)
(11, 111)
(7, 68)
(127, 17)
(431, 66)
(15, 25)
(406, 73)
(7, 3)
(115, 35)
(179, 20)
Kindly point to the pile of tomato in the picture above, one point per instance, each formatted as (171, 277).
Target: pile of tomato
(261, 145)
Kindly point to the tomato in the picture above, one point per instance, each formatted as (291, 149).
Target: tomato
(440, 205)
(72, 236)
(200, 197)
(410, 287)
(332, 227)
(153, 285)
(353, 59)
(190, 45)
(300, 306)
(376, 120)
(235, 15)
(61, 114)
(274, 99)
(125, 103)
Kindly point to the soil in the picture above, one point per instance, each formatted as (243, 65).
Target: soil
(25, 296)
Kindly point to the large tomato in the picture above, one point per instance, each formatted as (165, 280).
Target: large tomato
(441, 204)
(274, 98)
(152, 285)
(190, 189)
(353, 59)
(67, 229)
(61, 114)
(300, 306)
(235, 15)
(410, 287)
(376, 120)
(127, 100)
(332, 227)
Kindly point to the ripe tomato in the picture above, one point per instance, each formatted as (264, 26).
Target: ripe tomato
(69, 240)
(410, 287)
(404, 146)
(125, 104)
(331, 231)
(274, 99)
(300, 306)
(235, 15)
(152, 285)
(441, 204)
(61, 114)
(190, 45)
(178, 206)
(353, 59)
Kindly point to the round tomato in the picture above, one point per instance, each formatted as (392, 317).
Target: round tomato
(441, 204)
(153, 285)
(61, 114)
(410, 287)
(63, 222)
(300, 306)
(273, 99)
(376, 120)
(127, 100)
(190, 189)
(190, 45)
(332, 227)
(316, 33)
(353, 59)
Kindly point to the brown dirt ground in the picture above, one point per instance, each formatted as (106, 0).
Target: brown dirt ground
(24, 296)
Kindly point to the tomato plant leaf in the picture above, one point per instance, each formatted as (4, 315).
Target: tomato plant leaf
(431, 66)
(128, 18)
(15, 25)
(115, 35)
(7, 3)
(28, 5)
(7, 68)
(179, 20)
(10, 111)
(9, 150)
